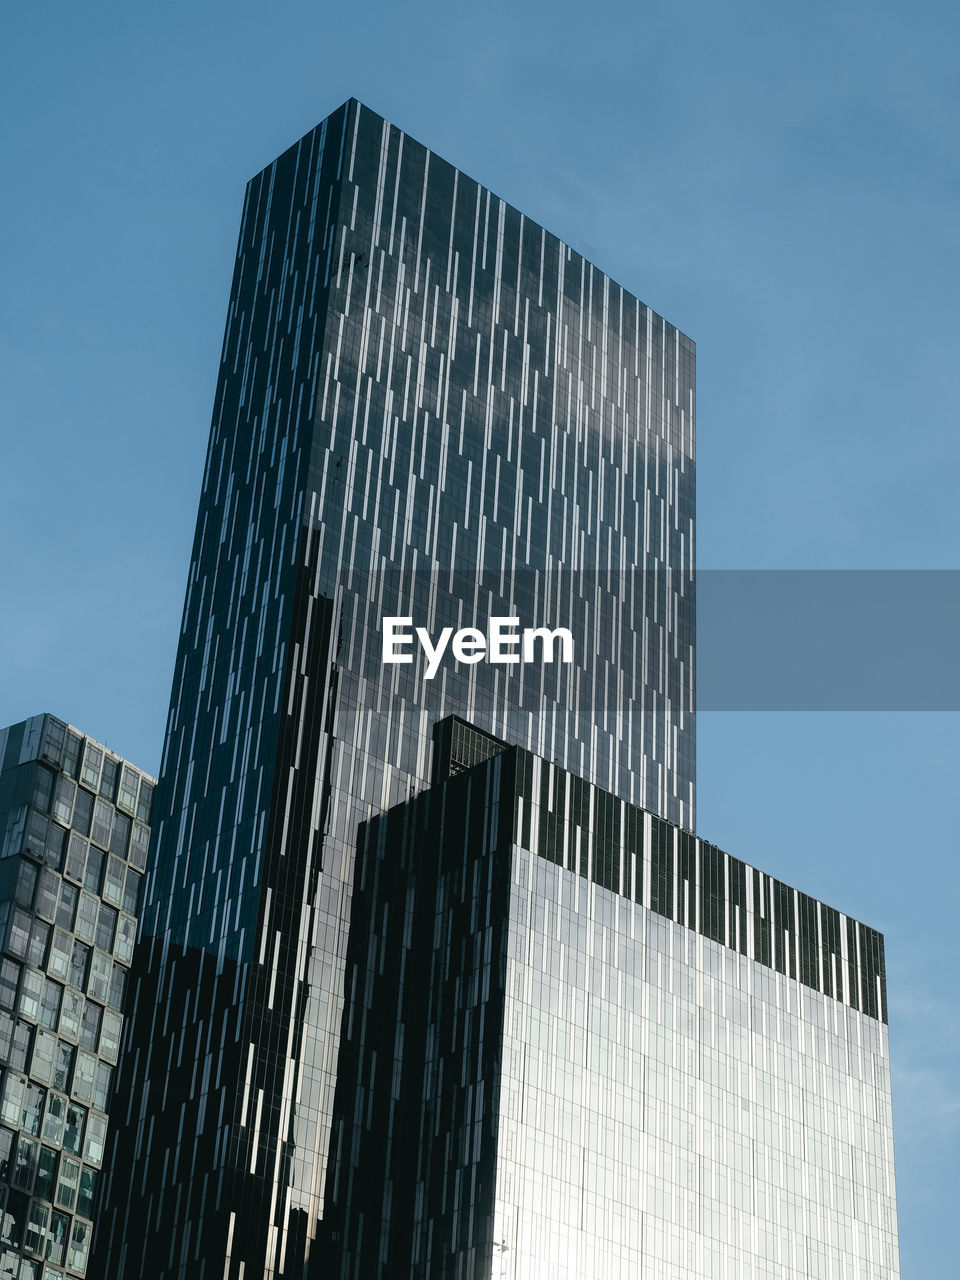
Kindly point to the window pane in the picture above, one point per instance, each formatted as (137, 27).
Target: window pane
(83, 811)
(53, 1120)
(67, 906)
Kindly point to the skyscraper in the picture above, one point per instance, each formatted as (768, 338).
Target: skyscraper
(428, 408)
(580, 1043)
(434, 978)
(74, 835)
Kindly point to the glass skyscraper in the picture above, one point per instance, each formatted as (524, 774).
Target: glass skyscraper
(430, 411)
(74, 834)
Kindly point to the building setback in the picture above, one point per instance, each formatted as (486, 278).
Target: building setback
(74, 834)
(428, 407)
(582, 1044)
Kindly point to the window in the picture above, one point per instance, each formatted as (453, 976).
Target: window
(25, 1165)
(83, 812)
(120, 836)
(68, 1183)
(79, 959)
(15, 1222)
(126, 935)
(37, 945)
(63, 799)
(9, 979)
(101, 970)
(131, 892)
(87, 1192)
(57, 1237)
(76, 857)
(73, 1133)
(93, 870)
(48, 894)
(67, 905)
(26, 884)
(101, 1086)
(86, 923)
(108, 779)
(7, 1140)
(118, 986)
(61, 950)
(113, 881)
(110, 1035)
(71, 754)
(31, 988)
(54, 1119)
(46, 1169)
(83, 1078)
(96, 1139)
(90, 1027)
(102, 823)
(106, 923)
(79, 1246)
(19, 933)
(92, 764)
(129, 785)
(139, 844)
(36, 1229)
(53, 847)
(22, 1104)
(50, 1003)
(62, 1066)
(145, 803)
(44, 1052)
(71, 1014)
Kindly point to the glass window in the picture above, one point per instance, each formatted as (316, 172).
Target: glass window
(61, 950)
(71, 1014)
(87, 1193)
(36, 1230)
(67, 906)
(79, 1245)
(110, 1035)
(20, 1043)
(54, 734)
(31, 988)
(53, 846)
(108, 779)
(15, 1220)
(22, 1103)
(87, 912)
(102, 824)
(25, 1165)
(43, 789)
(83, 1077)
(106, 923)
(53, 1120)
(145, 803)
(120, 836)
(37, 945)
(18, 936)
(26, 884)
(63, 799)
(90, 1027)
(62, 1066)
(101, 1086)
(83, 812)
(68, 1182)
(92, 764)
(139, 844)
(113, 881)
(79, 961)
(96, 1139)
(48, 893)
(71, 754)
(131, 892)
(46, 1168)
(73, 1134)
(7, 1139)
(101, 970)
(76, 856)
(50, 1003)
(9, 979)
(118, 986)
(126, 935)
(129, 785)
(57, 1234)
(44, 1052)
(38, 832)
(93, 870)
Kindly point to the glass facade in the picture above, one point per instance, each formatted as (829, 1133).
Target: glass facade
(580, 1044)
(428, 407)
(74, 835)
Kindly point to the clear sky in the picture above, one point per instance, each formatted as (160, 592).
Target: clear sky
(779, 180)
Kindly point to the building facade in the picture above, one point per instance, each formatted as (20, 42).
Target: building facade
(74, 836)
(428, 408)
(581, 1044)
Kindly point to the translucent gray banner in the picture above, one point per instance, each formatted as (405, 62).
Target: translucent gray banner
(828, 640)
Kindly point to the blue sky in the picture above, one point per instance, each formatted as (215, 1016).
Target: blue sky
(781, 181)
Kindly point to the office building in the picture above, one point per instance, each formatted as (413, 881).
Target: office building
(427, 407)
(74, 834)
(433, 415)
(582, 1044)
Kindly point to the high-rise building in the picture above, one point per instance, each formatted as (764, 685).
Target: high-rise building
(428, 408)
(433, 978)
(74, 833)
(580, 1043)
